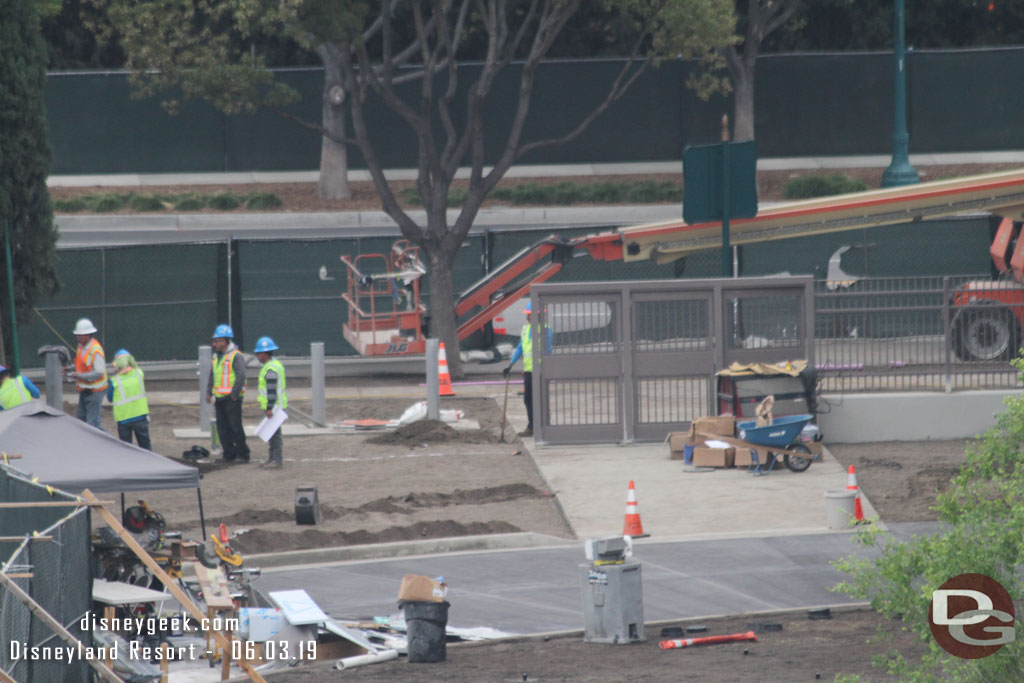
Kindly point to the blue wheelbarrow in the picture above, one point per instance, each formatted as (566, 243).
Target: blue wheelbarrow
(779, 438)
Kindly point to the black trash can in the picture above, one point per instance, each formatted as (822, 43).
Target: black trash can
(425, 624)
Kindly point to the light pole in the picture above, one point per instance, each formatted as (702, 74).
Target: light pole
(900, 172)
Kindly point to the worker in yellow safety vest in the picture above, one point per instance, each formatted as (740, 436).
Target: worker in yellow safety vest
(227, 389)
(90, 373)
(15, 390)
(127, 393)
(272, 398)
(525, 351)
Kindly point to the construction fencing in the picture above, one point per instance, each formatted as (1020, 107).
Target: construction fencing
(53, 565)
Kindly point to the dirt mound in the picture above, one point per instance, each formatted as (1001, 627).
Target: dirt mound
(247, 517)
(262, 540)
(430, 431)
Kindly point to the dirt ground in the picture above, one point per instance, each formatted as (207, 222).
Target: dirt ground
(302, 197)
(802, 650)
(373, 487)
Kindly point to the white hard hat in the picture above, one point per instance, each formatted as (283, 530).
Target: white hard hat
(84, 326)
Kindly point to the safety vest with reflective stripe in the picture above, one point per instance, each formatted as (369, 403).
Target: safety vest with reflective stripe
(13, 392)
(83, 363)
(129, 398)
(282, 398)
(224, 374)
(526, 339)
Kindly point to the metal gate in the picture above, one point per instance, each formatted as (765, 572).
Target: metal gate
(632, 361)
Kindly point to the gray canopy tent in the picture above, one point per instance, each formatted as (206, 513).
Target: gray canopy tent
(68, 454)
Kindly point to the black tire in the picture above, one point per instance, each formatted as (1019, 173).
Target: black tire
(796, 462)
(987, 333)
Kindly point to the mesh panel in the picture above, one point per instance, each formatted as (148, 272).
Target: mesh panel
(61, 581)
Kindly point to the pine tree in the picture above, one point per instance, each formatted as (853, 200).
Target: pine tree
(25, 208)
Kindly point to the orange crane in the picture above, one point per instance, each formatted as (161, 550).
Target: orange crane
(386, 315)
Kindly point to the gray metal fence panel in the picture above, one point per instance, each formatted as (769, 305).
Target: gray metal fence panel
(633, 361)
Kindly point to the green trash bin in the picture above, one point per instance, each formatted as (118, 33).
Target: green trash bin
(425, 630)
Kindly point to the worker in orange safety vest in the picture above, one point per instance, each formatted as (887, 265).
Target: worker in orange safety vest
(227, 390)
(90, 373)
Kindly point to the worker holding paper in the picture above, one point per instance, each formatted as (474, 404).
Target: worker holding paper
(272, 396)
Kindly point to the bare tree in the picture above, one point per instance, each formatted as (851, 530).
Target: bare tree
(758, 19)
(368, 49)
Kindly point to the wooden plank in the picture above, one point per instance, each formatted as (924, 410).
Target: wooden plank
(105, 672)
(756, 446)
(215, 587)
(169, 583)
(55, 504)
(15, 539)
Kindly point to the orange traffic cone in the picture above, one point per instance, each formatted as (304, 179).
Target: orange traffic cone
(444, 379)
(633, 527)
(851, 485)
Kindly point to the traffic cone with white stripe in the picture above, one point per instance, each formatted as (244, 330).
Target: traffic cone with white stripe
(444, 379)
(633, 527)
(851, 485)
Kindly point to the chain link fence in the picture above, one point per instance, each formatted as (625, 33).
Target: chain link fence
(53, 565)
(879, 297)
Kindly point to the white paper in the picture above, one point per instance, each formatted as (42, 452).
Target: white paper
(715, 443)
(266, 429)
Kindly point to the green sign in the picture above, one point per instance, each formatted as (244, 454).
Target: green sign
(719, 181)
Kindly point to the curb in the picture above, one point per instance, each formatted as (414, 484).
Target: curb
(385, 551)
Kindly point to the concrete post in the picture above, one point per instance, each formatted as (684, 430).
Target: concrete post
(316, 352)
(433, 380)
(54, 381)
(205, 366)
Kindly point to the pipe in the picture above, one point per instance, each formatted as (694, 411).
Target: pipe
(362, 660)
(707, 640)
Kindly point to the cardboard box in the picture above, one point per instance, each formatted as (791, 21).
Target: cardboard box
(712, 457)
(417, 588)
(744, 457)
(677, 442)
(724, 425)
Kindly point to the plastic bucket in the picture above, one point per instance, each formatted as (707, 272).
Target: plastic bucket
(688, 454)
(425, 624)
(839, 504)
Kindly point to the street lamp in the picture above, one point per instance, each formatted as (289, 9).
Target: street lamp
(900, 172)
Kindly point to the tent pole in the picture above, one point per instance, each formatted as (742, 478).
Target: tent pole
(202, 519)
(122, 504)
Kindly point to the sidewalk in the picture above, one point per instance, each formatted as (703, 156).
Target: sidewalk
(526, 171)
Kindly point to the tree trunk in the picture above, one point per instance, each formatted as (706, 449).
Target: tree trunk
(333, 154)
(442, 315)
(743, 104)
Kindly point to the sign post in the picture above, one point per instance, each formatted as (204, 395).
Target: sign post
(720, 183)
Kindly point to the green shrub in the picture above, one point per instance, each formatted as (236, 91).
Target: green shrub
(263, 200)
(809, 186)
(189, 202)
(649, 191)
(456, 196)
(145, 202)
(223, 201)
(105, 203)
(73, 205)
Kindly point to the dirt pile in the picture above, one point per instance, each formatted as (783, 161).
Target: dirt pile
(430, 432)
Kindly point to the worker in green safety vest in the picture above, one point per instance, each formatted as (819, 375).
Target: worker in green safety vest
(15, 390)
(272, 395)
(127, 393)
(525, 351)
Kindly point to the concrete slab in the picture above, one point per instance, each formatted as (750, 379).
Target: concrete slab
(463, 425)
(591, 483)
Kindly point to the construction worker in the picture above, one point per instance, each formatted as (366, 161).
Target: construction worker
(525, 351)
(127, 392)
(227, 386)
(90, 373)
(272, 393)
(15, 390)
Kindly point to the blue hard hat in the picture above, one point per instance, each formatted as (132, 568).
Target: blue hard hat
(264, 344)
(3, 368)
(122, 352)
(529, 305)
(223, 332)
